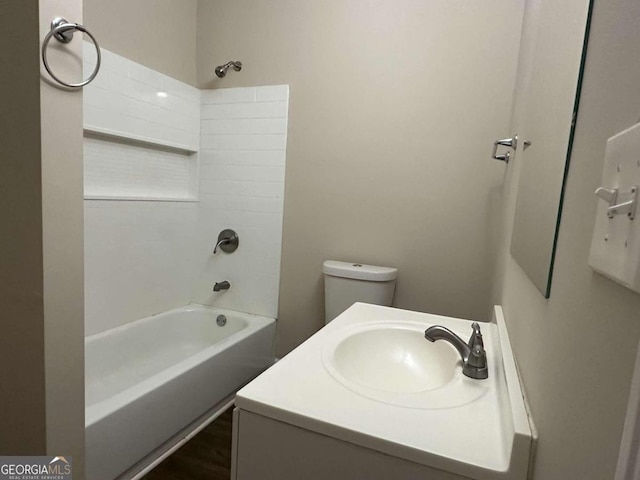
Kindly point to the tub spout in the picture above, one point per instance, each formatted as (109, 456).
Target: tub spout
(221, 286)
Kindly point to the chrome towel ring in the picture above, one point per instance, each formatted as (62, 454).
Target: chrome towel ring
(63, 32)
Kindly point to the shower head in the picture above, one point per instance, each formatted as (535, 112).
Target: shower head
(221, 71)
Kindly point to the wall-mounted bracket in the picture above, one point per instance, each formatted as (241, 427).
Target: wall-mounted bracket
(628, 207)
(615, 245)
(505, 142)
(608, 195)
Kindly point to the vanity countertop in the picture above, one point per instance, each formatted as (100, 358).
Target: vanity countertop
(488, 437)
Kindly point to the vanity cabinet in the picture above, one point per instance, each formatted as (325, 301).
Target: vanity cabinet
(368, 397)
(268, 449)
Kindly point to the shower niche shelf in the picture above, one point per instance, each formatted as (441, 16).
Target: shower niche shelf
(118, 166)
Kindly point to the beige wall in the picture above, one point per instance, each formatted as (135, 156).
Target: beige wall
(576, 350)
(394, 107)
(387, 164)
(160, 34)
(63, 243)
(41, 262)
(22, 403)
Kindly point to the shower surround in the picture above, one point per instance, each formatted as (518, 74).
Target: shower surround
(222, 153)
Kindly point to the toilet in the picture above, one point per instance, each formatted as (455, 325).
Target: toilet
(346, 283)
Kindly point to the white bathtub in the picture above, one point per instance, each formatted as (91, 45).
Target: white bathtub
(148, 380)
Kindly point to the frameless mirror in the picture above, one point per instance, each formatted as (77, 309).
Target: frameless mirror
(552, 95)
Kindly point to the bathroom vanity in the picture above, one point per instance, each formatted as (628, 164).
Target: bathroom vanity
(369, 397)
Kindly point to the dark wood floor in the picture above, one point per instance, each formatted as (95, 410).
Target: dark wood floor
(205, 456)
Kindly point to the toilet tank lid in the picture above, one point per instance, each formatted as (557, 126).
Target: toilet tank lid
(359, 271)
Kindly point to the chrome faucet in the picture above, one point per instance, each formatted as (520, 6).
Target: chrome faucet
(474, 357)
(221, 286)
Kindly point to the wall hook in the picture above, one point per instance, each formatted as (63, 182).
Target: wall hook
(628, 207)
(608, 195)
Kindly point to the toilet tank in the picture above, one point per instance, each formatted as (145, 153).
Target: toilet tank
(346, 283)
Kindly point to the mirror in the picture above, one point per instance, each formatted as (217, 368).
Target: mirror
(558, 38)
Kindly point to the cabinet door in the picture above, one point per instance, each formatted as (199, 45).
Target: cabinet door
(266, 449)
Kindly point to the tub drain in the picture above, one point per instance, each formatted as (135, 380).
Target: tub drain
(221, 320)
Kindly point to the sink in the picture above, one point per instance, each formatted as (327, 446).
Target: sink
(392, 362)
(370, 387)
(395, 359)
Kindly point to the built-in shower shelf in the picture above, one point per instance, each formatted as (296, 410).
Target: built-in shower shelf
(114, 135)
(140, 199)
(120, 166)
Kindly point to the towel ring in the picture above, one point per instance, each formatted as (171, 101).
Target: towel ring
(63, 32)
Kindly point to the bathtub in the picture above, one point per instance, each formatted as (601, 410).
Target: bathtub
(150, 379)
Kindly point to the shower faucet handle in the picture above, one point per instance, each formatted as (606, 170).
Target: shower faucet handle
(221, 242)
(228, 241)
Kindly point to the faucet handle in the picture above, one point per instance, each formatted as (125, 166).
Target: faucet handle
(221, 242)
(477, 357)
(475, 365)
(476, 337)
(227, 241)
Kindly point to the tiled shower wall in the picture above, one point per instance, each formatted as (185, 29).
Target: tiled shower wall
(242, 160)
(144, 257)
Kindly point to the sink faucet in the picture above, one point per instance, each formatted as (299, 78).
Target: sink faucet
(221, 286)
(474, 357)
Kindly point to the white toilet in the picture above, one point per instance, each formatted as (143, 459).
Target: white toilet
(346, 283)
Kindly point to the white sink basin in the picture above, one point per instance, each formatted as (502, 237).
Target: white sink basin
(395, 359)
(392, 362)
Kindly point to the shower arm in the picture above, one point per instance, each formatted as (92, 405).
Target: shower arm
(221, 70)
